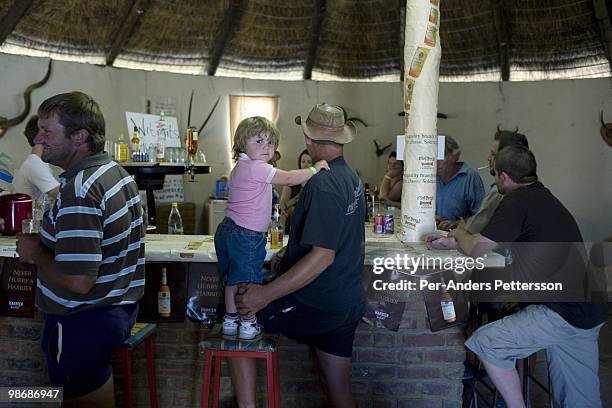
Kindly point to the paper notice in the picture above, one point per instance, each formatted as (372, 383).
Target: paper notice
(430, 35)
(434, 15)
(418, 60)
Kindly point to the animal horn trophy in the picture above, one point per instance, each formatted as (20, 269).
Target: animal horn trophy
(606, 130)
(6, 123)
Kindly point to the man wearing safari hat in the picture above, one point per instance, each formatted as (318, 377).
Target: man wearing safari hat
(318, 299)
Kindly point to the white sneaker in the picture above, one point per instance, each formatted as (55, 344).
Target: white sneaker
(249, 331)
(230, 327)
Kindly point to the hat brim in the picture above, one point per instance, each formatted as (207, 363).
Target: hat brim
(340, 136)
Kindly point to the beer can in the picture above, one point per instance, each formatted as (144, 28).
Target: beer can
(379, 224)
(388, 223)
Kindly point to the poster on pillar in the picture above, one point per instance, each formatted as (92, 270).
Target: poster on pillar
(421, 65)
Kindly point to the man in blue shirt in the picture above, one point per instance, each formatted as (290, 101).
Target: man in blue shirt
(459, 189)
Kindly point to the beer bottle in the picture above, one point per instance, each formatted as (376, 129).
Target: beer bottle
(121, 149)
(163, 296)
(448, 307)
(135, 143)
(276, 229)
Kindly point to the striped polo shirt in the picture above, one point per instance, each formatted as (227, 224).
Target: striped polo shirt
(95, 229)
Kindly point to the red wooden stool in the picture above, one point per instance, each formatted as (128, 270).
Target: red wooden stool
(218, 347)
(140, 332)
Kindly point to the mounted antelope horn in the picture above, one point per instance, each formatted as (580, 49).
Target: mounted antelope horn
(606, 130)
(6, 123)
(209, 115)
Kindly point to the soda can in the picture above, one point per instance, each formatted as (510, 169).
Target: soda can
(388, 223)
(379, 224)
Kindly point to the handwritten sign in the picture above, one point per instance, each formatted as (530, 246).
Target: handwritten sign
(154, 128)
(151, 130)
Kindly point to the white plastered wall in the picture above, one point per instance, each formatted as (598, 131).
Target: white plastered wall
(560, 118)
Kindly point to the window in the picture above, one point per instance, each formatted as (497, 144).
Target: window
(246, 106)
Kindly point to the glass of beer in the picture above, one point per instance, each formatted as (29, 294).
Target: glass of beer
(30, 226)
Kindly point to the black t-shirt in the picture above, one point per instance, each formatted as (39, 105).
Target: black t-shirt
(555, 251)
(330, 215)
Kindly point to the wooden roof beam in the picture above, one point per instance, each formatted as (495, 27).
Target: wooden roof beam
(225, 32)
(605, 27)
(317, 24)
(12, 17)
(126, 29)
(501, 28)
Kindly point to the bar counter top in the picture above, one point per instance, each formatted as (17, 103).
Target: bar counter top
(201, 248)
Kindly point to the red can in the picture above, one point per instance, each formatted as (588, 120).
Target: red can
(379, 224)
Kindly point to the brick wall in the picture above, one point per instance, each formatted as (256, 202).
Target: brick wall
(409, 368)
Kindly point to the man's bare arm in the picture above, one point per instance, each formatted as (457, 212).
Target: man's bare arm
(32, 251)
(474, 245)
(301, 274)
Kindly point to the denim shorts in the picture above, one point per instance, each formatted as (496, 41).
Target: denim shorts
(78, 346)
(240, 253)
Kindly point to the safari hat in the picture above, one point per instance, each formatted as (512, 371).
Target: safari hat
(326, 122)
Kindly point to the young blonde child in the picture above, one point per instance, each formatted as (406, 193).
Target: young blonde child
(240, 240)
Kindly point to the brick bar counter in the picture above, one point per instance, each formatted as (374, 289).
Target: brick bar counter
(397, 360)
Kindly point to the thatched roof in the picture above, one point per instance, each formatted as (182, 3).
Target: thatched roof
(349, 39)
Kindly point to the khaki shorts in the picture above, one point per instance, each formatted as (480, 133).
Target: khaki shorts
(571, 353)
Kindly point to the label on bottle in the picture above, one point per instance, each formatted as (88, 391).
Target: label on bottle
(276, 239)
(163, 303)
(175, 230)
(122, 152)
(448, 310)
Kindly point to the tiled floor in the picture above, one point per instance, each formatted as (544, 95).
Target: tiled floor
(540, 399)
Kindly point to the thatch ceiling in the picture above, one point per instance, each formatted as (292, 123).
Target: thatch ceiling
(351, 39)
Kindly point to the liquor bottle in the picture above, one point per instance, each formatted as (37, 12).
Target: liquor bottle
(121, 153)
(368, 203)
(192, 143)
(160, 150)
(276, 229)
(135, 143)
(163, 296)
(175, 222)
(448, 307)
(374, 205)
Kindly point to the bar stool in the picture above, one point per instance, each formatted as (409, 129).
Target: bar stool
(528, 375)
(526, 378)
(140, 332)
(218, 347)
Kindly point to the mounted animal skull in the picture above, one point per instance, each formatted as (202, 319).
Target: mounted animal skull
(500, 131)
(606, 131)
(6, 123)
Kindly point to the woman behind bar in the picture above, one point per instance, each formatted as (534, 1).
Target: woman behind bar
(291, 195)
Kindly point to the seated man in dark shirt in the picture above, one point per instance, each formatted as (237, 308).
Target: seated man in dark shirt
(543, 243)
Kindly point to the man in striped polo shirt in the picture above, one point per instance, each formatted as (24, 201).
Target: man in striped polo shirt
(90, 252)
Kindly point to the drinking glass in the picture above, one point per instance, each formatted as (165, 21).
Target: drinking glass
(30, 226)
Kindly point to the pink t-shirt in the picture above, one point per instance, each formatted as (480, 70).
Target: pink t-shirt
(250, 193)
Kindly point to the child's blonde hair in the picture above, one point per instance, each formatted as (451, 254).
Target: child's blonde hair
(251, 127)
